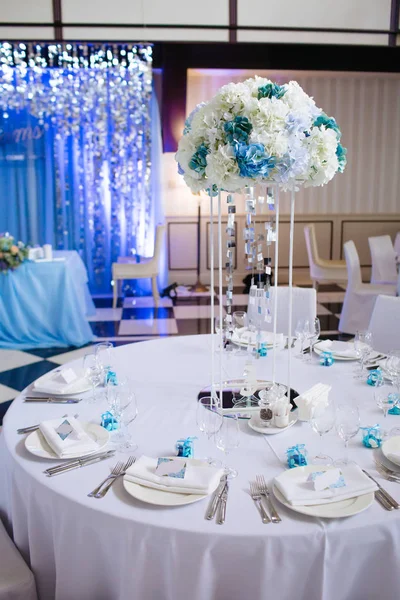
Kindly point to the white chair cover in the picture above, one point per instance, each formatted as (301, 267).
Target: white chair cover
(397, 244)
(322, 270)
(304, 307)
(385, 324)
(383, 258)
(359, 299)
(16, 580)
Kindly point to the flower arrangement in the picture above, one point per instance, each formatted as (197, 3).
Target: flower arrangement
(258, 131)
(12, 254)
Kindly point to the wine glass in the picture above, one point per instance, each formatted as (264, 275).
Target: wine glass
(386, 398)
(228, 438)
(363, 347)
(125, 411)
(104, 357)
(240, 324)
(392, 367)
(347, 426)
(314, 332)
(323, 417)
(208, 419)
(302, 326)
(217, 325)
(93, 373)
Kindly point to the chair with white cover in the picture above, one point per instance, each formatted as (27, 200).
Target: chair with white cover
(304, 307)
(128, 268)
(16, 579)
(322, 270)
(397, 245)
(359, 299)
(383, 257)
(385, 324)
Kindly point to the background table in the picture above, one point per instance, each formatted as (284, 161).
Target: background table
(119, 548)
(46, 304)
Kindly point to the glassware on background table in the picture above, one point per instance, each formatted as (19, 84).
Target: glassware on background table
(302, 327)
(240, 322)
(104, 356)
(228, 438)
(217, 326)
(93, 373)
(363, 348)
(347, 426)
(314, 332)
(208, 419)
(386, 398)
(125, 410)
(392, 367)
(323, 417)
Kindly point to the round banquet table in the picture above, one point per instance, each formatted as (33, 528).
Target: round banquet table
(119, 548)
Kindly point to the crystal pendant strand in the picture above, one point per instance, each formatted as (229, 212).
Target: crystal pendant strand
(230, 253)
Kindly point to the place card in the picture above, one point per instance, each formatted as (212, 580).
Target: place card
(68, 375)
(170, 467)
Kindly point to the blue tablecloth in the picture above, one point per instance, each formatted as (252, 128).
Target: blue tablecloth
(46, 304)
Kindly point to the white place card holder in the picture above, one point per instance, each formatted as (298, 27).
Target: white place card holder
(68, 375)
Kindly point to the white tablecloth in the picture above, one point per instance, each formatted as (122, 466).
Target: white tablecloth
(118, 548)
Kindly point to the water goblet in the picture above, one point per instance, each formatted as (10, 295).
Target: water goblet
(314, 332)
(386, 398)
(363, 348)
(125, 411)
(392, 367)
(347, 426)
(93, 373)
(104, 356)
(302, 327)
(323, 417)
(228, 438)
(208, 418)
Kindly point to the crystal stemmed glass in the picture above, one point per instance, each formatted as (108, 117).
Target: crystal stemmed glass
(323, 418)
(218, 331)
(302, 327)
(240, 321)
(228, 438)
(386, 398)
(208, 419)
(392, 367)
(347, 426)
(93, 372)
(104, 357)
(363, 347)
(125, 411)
(313, 335)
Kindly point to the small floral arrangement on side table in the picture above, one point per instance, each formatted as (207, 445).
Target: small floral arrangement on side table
(12, 254)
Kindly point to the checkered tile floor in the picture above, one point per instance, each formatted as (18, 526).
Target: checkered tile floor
(135, 320)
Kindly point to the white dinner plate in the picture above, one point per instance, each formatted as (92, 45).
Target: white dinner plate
(36, 444)
(332, 510)
(254, 423)
(162, 498)
(79, 386)
(392, 445)
(266, 337)
(336, 354)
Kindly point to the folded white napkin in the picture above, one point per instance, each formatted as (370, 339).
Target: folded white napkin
(345, 349)
(245, 336)
(198, 479)
(316, 395)
(77, 442)
(54, 383)
(300, 492)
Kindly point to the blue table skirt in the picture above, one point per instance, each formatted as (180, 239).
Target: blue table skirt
(46, 304)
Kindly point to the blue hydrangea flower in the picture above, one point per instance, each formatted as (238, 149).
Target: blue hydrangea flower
(238, 130)
(253, 161)
(341, 156)
(214, 190)
(329, 123)
(270, 90)
(198, 162)
(180, 170)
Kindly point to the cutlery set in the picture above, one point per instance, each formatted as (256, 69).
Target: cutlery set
(76, 463)
(217, 505)
(382, 496)
(52, 399)
(258, 492)
(118, 471)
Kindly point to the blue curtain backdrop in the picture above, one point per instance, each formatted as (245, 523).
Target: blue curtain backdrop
(33, 163)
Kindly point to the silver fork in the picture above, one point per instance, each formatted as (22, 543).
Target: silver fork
(257, 501)
(117, 468)
(263, 489)
(105, 489)
(386, 472)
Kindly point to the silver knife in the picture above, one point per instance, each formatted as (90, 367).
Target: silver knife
(76, 464)
(212, 507)
(222, 505)
(384, 493)
(52, 400)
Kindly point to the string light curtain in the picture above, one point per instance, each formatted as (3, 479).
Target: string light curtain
(94, 104)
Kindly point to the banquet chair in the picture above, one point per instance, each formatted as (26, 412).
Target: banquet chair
(128, 268)
(383, 257)
(322, 270)
(385, 324)
(397, 245)
(304, 307)
(359, 299)
(16, 579)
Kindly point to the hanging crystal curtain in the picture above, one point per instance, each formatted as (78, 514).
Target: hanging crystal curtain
(96, 102)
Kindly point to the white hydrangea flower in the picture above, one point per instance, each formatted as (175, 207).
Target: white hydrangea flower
(322, 144)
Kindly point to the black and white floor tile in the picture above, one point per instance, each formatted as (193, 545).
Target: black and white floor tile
(137, 319)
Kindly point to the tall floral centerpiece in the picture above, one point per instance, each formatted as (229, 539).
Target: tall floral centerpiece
(12, 254)
(258, 137)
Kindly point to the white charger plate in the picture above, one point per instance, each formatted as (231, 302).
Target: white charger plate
(253, 423)
(79, 386)
(338, 356)
(162, 498)
(36, 444)
(333, 510)
(392, 445)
